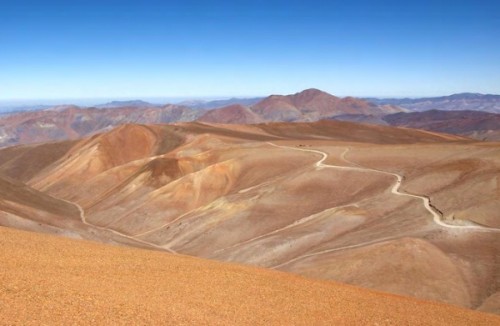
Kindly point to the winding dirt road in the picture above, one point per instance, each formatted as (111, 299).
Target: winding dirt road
(84, 221)
(436, 215)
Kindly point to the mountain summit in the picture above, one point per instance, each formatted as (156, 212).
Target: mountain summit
(311, 105)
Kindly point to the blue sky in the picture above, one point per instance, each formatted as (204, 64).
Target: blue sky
(143, 49)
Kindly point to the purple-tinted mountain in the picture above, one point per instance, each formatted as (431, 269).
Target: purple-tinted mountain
(476, 124)
(462, 101)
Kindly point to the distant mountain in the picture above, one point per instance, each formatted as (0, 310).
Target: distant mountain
(308, 105)
(133, 103)
(312, 105)
(72, 122)
(22, 108)
(231, 114)
(207, 105)
(462, 101)
(476, 124)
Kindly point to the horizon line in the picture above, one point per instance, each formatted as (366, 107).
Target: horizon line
(18, 101)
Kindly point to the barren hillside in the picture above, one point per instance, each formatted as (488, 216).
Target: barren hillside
(375, 206)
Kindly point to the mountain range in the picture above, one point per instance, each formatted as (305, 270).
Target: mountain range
(72, 122)
(461, 101)
(214, 104)
(475, 124)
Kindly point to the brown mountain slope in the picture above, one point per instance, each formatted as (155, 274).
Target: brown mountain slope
(48, 280)
(303, 197)
(14, 195)
(102, 152)
(26, 208)
(231, 114)
(23, 162)
(354, 132)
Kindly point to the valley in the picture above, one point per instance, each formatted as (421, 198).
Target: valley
(398, 210)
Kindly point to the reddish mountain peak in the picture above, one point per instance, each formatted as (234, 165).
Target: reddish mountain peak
(299, 98)
(313, 98)
(310, 94)
(310, 105)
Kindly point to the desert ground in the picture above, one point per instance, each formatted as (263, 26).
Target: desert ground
(52, 280)
(398, 210)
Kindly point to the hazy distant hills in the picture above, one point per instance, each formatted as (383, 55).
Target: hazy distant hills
(118, 104)
(231, 114)
(207, 105)
(462, 101)
(10, 109)
(72, 122)
(476, 124)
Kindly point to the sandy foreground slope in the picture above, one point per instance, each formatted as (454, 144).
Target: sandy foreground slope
(49, 280)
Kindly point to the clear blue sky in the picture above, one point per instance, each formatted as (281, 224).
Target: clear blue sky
(90, 49)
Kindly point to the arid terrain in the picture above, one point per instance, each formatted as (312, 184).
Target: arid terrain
(399, 210)
(250, 163)
(50, 280)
